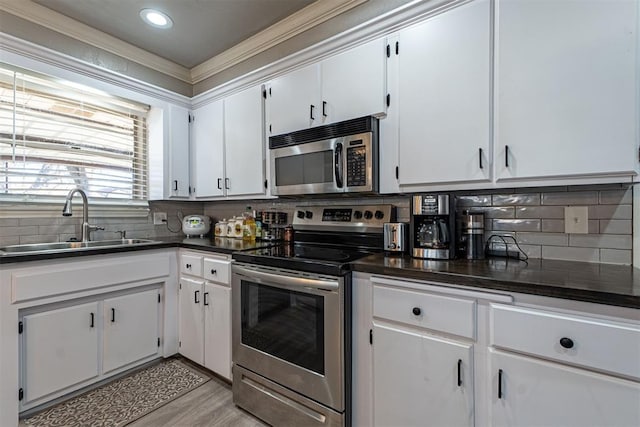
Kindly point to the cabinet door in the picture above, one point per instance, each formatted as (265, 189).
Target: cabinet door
(217, 327)
(244, 142)
(538, 393)
(292, 98)
(566, 88)
(208, 150)
(60, 349)
(353, 83)
(130, 329)
(420, 380)
(191, 329)
(178, 152)
(444, 81)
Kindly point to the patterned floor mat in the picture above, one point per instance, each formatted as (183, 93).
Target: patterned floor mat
(124, 400)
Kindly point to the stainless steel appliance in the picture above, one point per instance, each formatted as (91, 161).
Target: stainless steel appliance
(291, 308)
(432, 226)
(396, 237)
(471, 238)
(336, 158)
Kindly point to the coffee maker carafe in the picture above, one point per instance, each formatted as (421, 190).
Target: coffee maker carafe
(432, 226)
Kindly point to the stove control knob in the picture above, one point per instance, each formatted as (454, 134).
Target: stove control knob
(379, 215)
(308, 214)
(357, 214)
(300, 214)
(368, 215)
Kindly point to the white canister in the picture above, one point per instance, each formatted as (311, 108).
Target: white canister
(220, 229)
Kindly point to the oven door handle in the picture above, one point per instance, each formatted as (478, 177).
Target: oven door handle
(290, 282)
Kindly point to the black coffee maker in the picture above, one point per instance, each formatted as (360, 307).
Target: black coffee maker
(432, 226)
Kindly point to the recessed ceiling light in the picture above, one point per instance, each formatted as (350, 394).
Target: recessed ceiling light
(155, 18)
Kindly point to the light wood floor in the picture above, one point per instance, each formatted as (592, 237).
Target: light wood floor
(208, 405)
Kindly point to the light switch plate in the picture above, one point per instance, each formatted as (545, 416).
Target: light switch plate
(159, 218)
(576, 219)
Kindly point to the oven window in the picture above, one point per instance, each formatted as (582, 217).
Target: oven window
(310, 168)
(286, 324)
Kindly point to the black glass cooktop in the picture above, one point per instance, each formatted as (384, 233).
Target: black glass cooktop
(307, 257)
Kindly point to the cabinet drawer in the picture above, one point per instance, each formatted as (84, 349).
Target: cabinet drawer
(217, 270)
(191, 264)
(441, 313)
(595, 343)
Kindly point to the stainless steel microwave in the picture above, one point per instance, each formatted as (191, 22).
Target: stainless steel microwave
(336, 158)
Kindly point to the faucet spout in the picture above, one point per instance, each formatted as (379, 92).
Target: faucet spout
(66, 211)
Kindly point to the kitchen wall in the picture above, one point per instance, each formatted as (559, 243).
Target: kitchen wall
(534, 217)
(14, 231)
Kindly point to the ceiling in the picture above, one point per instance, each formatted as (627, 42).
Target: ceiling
(202, 29)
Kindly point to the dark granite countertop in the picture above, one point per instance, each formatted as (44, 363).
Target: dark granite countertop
(218, 245)
(599, 283)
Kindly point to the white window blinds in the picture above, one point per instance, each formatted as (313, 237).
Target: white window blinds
(56, 135)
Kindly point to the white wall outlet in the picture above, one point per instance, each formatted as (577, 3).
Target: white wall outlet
(576, 219)
(159, 218)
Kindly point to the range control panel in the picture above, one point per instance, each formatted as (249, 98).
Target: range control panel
(351, 218)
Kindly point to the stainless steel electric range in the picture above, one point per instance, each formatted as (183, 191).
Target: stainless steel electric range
(291, 308)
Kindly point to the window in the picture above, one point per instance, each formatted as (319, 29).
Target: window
(57, 135)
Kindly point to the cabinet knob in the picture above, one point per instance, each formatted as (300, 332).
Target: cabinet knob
(416, 311)
(566, 342)
(214, 271)
(188, 266)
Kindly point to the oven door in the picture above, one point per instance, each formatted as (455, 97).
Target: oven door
(289, 328)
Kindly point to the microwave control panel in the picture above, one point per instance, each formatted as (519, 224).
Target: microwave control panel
(356, 165)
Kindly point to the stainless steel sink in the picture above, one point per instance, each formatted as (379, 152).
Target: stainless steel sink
(69, 246)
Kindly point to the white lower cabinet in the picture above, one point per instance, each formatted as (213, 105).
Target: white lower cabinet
(67, 348)
(60, 349)
(431, 354)
(423, 366)
(205, 313)
(131, 329)
(420, 379)
(532, 392)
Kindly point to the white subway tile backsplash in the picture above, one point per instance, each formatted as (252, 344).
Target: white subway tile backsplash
(9, 222)
(609, 241)
(39, 238)
(553, 225)
(610, 212)
(571, 254)
(615, 226)
(615, 256)
(473, 200)
(9, 240)
(551, 212)
(574, 198)
(18, 231)
(515, 199)
(547, 239)
(516, 225)
(503, 212)
(616, 197)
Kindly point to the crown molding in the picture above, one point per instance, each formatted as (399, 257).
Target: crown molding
(380, 26)
(26, 9)
(16, 51)
(314, 14)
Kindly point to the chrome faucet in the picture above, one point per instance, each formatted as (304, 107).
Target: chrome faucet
(85, 236)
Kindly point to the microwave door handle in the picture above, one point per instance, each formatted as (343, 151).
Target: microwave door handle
(338, 164)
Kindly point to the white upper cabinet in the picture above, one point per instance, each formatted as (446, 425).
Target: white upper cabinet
(566, 89)
(293, 101)
(178, 142)
(444, 80)
(244, 143)
(353, 83)
(207, 140)
(229, 148)
(342, 87)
